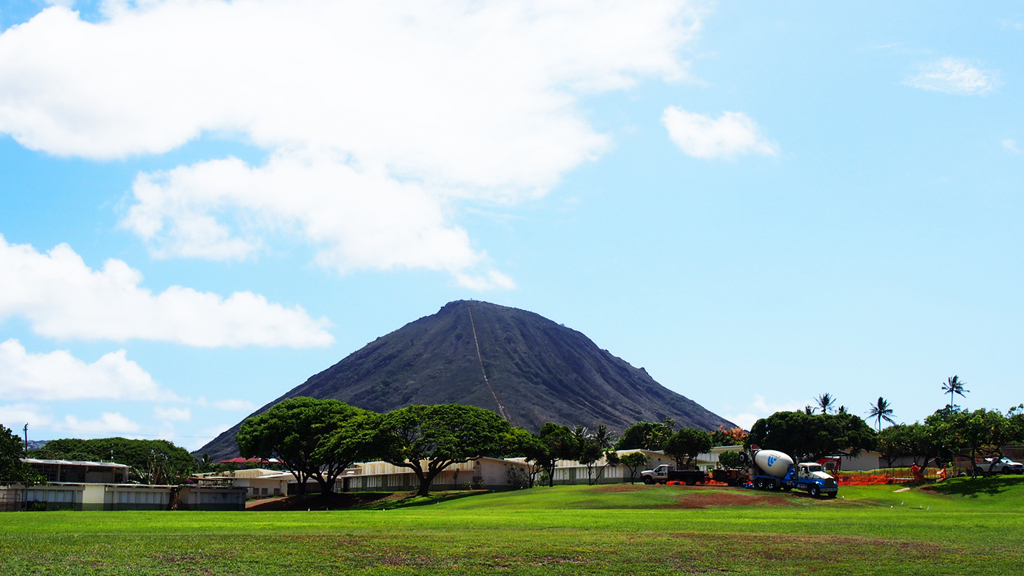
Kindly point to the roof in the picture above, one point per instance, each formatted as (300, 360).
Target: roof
(74, 463)
(248, 461)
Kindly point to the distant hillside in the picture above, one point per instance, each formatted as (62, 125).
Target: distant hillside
(517, 363)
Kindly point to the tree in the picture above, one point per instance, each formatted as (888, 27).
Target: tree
(944, 429)
(592, 448)
(891, 444)
(313, 438)
(731, 459)
(825, 402)
(954, 385)
(728, 436)
(686, 444)
(603, 437)
(561, 445)
(440, 436)
(533, 449)
(881, 411)
(808, 437)
(149, 461)
(12, 469)
(590, 453)
(645, 436)
(973, 434)
(635, 462)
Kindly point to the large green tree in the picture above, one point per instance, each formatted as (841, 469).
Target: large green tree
(810, 436)
(892, 444)
(150, 461)
(529, 445)
(634, 461)
(644, 436)
(561, 444)
(12, 469)
(428, 439)
(686, 444)
(313, 438)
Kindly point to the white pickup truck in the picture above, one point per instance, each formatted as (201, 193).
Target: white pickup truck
(999, 465)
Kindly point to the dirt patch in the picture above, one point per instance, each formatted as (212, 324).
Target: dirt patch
(712, 499)
(621, 488)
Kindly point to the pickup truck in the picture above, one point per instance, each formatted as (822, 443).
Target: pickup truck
(996, 465)
(665, 473)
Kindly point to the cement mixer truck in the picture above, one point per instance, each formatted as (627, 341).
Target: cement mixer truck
(774, 470)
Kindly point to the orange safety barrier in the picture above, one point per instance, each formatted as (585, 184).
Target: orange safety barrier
(896, 477)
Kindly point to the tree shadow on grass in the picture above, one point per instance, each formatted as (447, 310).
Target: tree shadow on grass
(411, 499)
(972, 487)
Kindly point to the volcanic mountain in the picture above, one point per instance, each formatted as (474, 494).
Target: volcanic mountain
(516, 363)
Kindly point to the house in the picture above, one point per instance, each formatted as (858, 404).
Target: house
(79, 471)
(257, 482)
(83, 485)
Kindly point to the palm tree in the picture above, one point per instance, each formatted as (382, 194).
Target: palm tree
(881, 411)
(954, 385)
(825, 402)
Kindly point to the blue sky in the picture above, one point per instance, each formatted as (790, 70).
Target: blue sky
(204, 203)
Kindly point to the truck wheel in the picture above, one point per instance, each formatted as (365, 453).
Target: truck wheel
(691, 482)
(814, 491)
(648, 480)
(1006, 470)
(760, 484)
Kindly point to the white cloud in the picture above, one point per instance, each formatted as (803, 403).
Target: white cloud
(390, 111)
(108, 423)
(14, 416)
(61, 297)
(172, 414)
(60, 376)
(759, 408)
(953, 76)
(357, 219)
(700, 136)
(234, 405)
(1011, 145)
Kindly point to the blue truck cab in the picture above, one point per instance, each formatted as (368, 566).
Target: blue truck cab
(811, 478)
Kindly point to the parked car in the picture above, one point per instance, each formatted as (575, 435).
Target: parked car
(999, 465)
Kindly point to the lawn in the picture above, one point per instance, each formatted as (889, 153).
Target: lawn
(967, 527)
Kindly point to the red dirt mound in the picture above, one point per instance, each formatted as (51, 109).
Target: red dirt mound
(711, 499)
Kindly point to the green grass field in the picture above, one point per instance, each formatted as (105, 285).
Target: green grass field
(969, 527)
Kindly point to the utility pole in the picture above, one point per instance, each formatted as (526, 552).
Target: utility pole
(26, 437)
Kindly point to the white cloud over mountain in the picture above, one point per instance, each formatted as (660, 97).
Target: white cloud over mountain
(61, 297)
(729, 135)
(378, 116)
(60, 376)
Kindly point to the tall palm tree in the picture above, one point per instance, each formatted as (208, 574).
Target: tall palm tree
(881, 411)
(825, 402)
(954, 385)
